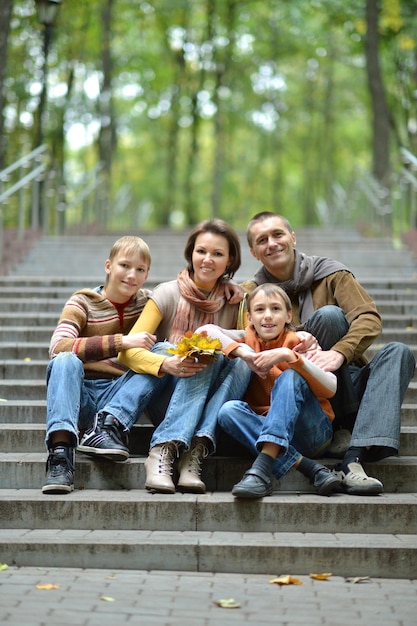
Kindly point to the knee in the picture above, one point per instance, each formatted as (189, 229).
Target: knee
(328, 324)
(64, 362)
(400, 352)
(224, 415)
(329, 314)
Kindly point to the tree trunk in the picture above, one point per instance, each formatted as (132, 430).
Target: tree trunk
(107, 135)
(5, 14)
(380, 111)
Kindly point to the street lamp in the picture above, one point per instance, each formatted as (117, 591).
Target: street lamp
(47, 12)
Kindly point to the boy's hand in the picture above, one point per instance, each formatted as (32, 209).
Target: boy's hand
(266, 359)
(139, 340)
(307, 342)
(183, 368)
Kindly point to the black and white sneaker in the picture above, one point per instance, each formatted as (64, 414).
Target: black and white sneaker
(59, 470)
(106, 439)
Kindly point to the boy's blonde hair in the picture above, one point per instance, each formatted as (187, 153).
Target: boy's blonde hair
(270, 289)
(131, 245)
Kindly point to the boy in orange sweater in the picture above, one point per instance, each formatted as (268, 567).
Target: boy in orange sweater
(285, 417)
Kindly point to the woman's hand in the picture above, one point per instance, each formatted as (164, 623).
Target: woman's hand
(183, 368)
(139, 340)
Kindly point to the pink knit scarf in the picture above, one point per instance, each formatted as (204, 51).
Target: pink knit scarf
(192, 299)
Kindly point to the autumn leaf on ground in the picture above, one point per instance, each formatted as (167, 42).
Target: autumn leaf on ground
(285, 580)
(227, 603)
(47, 586)
(107, 599)
(3, 567)
(358, 579)
(323, 576)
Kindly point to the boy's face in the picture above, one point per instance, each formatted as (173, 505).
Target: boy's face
(126, 274)
(268, 315)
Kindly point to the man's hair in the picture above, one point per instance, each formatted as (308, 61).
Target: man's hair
(217, 227)
(260, 217)
(131, 245)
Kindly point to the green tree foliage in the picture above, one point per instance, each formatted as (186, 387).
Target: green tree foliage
(211, 107)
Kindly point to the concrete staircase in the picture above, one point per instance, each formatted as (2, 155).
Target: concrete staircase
(111, 521)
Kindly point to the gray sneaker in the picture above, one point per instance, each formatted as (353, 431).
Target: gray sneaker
(356, 482)
(106, 439)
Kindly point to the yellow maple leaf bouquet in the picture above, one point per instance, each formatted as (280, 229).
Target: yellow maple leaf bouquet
(197, 346)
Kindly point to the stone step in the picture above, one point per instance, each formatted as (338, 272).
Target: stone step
(13, 389)
(20, 437)
(26, 470)
(218, 512)
(26, 334)
(23, 368)
(18, 411)
(22, 350)
(343, 554)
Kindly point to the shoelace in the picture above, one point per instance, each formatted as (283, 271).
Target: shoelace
(166, 458)
(197, 454)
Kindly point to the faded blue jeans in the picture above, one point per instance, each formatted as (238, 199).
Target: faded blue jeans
(378, 388)
(295, 421)
(72, 400)
(188, 407)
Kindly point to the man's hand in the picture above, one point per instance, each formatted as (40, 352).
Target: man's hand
(234, 293)
(139, 340)
(328, 360)
(183, 368)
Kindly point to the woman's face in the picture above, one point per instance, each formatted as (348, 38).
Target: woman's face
(210, 259)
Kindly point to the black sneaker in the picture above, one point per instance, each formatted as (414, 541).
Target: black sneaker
(59, 470)
(106, 439)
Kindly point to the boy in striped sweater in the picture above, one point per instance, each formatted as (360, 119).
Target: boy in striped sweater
(84, 372)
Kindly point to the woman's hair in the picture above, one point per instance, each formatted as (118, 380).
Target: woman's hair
(131, 245)
(260, 217)
(270, 289)
(217, 227)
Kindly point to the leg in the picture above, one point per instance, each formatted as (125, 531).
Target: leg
(70, 405)
(120, 406)
(329, 324)
(187, 414)
(382, 385)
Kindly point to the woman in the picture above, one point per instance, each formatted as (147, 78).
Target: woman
(192, 395)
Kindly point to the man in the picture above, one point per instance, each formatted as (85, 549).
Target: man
(331, 304)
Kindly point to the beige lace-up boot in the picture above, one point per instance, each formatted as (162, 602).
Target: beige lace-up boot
(190, 468)
(159, 467)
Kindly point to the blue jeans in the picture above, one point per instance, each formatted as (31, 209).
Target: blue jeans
(295, 421)
(378, 388)
(72, 400)
(191, 405)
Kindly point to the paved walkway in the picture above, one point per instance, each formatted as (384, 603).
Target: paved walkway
(108, 597)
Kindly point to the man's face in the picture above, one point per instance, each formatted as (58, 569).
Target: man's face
(273, 245)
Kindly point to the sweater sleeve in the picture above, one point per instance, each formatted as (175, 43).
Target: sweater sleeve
(141, 360)
(230, 339)
(365, 325)
(323, 384)
(73, 330)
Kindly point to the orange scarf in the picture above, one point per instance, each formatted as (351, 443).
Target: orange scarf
(192, 299)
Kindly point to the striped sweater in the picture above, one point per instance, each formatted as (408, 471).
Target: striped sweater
(92, 327)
